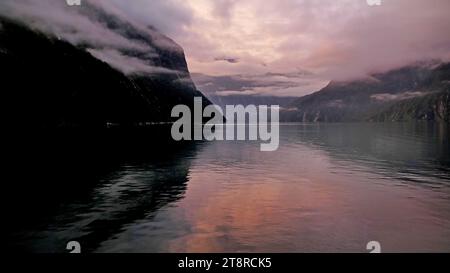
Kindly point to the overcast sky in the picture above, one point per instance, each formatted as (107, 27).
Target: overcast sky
(299, 45)
(332, 39)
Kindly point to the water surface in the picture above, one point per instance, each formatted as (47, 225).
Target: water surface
(329, 188)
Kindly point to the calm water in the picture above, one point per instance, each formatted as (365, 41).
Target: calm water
(329, 188)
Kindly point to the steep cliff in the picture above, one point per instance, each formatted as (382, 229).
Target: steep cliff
(72, 78)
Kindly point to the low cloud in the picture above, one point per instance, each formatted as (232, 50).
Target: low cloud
(396, 97)
(227, 59)
(127, 64)
(82, 26)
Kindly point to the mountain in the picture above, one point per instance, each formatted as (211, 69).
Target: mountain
(416, 92)
(246, 100)
(250, 89)
(433, 107)
(91, 69)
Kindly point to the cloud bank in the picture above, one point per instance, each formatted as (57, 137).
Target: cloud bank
(330, 39)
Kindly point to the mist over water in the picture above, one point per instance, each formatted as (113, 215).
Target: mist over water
(329, 187)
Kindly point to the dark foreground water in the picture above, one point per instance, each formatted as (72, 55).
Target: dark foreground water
(329, 188)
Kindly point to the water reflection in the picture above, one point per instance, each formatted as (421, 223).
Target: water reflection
(93, 189)
(413, 152)
(329, 188)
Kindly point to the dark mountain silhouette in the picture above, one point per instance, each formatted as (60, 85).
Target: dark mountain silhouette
(48, 82)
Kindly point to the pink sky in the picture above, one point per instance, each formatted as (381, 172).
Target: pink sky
(281, 47)
(333, 39)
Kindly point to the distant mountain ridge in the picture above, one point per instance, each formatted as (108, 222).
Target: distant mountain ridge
(416, 92)
(246, 100)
